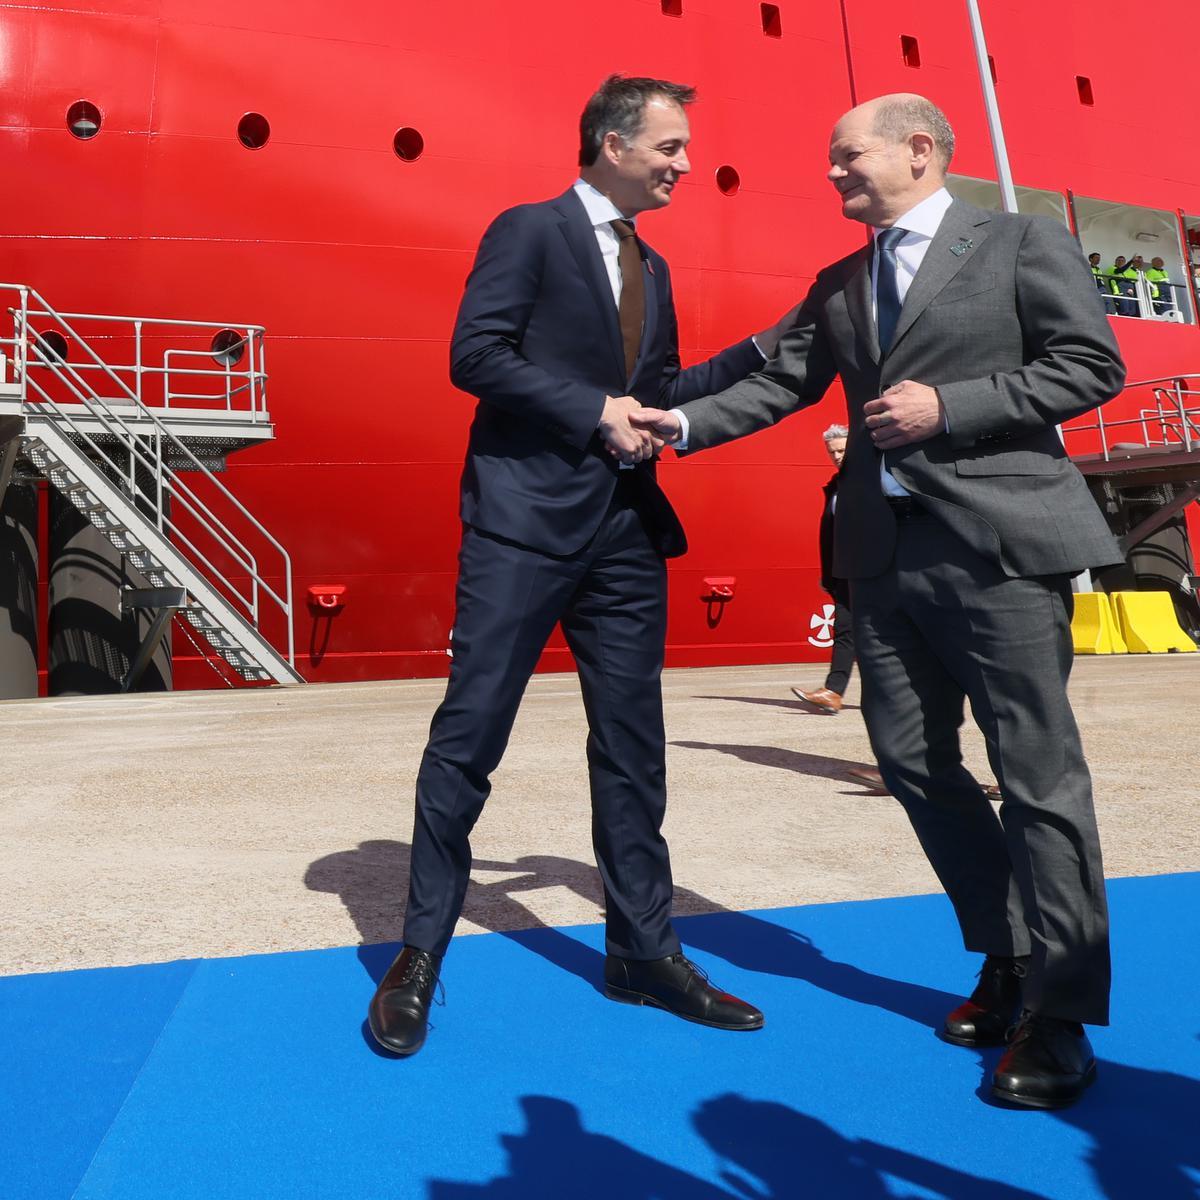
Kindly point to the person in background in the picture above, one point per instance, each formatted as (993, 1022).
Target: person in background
(1161, 292)
(1124, 287)
(828, 697)
(1103, 283)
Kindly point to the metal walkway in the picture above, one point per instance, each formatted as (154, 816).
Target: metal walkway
(115, 433)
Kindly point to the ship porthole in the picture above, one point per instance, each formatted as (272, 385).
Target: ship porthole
(253, 131)
(729, 181)
(408, 144)
(83, 119)
(53, 346)
(228, 347)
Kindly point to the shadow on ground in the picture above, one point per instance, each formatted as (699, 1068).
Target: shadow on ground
(372, 882)
(767, 1151)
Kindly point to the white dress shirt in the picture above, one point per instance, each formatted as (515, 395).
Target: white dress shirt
(601, 211)
(920, 224)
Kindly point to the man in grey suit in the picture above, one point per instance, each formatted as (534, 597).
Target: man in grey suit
(962, 338)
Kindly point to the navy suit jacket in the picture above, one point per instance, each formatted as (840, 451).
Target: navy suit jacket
(537, 342)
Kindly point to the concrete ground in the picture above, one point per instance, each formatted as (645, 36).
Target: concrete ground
(198, 824)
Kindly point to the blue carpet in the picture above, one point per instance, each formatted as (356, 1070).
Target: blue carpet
(252, 1077)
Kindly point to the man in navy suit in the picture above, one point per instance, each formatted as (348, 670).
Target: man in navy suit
(567, 326)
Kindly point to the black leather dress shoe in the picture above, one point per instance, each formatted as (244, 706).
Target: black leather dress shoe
(681, 988)
(398, 1016)
(990, 1011)
(1048, 1063)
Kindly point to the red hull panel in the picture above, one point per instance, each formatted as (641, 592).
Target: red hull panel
(354, 260)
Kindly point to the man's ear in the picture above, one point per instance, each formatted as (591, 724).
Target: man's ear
(612, 147)
(921, 149)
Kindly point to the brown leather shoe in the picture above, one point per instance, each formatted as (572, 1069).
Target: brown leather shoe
(821, 699)
(868, 777)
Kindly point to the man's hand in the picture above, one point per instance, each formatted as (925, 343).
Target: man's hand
(907, 412)
(625, 442)
(664, 426)
(768, 340)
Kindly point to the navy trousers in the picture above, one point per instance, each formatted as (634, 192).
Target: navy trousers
(611, 600)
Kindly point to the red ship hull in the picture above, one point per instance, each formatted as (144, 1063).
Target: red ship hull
(354, 258)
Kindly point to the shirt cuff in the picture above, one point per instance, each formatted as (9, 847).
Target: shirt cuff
(682, 444)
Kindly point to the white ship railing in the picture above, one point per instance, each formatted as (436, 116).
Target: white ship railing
(1173, 302)
(148, 448)
(242, 391)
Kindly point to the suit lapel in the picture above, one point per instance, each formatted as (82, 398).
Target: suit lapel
(581, 238)
(858, 302)
(962, 231)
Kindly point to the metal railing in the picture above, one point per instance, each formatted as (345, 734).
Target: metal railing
(1169, 423)
(149, 378)
(1135, 297)
(145, 451)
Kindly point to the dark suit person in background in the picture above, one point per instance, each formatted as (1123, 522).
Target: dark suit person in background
(828, 697)
(567, 325)
(962, 338)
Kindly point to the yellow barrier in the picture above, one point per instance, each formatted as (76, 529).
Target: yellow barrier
(1093, 627)
(1148, 624)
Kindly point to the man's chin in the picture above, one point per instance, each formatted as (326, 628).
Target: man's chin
(857, 208)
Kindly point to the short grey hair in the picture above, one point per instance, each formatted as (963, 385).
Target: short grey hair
(899, 118)
(834, 432)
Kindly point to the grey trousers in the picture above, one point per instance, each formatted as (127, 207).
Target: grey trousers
(942, 624)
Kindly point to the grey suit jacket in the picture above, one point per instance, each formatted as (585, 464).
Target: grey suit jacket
(1004, 319)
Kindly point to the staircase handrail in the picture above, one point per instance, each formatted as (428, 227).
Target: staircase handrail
(191, 503)
(115, 424)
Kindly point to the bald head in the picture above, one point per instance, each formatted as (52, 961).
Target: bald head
(898, 116)
(887, 155)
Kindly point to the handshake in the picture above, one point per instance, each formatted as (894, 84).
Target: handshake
(635, 434)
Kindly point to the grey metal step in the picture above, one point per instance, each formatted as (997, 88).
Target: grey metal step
(84, 486)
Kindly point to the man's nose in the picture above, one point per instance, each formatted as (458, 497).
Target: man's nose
(835, 173)
(680, 163)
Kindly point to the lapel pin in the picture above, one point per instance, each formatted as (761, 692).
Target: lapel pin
(961, 246)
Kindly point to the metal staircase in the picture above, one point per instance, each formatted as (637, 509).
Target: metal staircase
(114, 440)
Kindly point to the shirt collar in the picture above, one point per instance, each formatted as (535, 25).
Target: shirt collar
(600, 209)
(923, 218)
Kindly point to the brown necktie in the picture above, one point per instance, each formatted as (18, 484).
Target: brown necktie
(632, 309)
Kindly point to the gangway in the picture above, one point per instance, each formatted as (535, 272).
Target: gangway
(114, 421)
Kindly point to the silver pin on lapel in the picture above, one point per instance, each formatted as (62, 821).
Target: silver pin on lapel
(961, 246)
